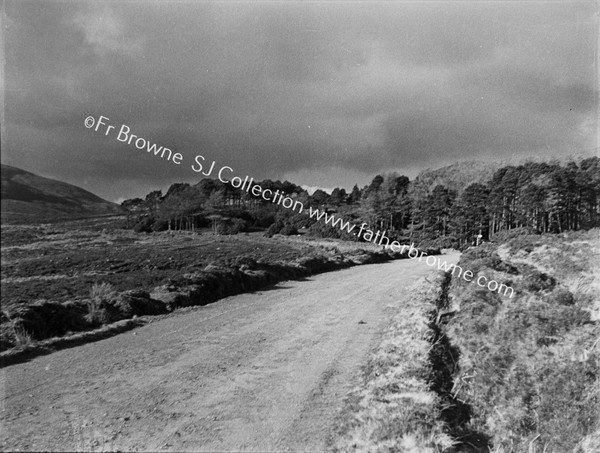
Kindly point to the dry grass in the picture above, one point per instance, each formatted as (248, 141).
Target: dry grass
(574, 256)
(22, 338)
(529, 366)
(100, 294)
(394, 409)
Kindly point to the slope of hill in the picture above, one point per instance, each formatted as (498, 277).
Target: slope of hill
(528, 366)
(459, 175)
(27, 198)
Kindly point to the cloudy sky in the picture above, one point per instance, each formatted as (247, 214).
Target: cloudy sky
(321, 93)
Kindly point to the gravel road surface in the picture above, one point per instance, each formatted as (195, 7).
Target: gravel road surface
(264, 371)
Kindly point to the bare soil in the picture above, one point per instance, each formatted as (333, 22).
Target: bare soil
(264, 371)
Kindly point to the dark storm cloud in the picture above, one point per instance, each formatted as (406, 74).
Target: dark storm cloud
(308, 90)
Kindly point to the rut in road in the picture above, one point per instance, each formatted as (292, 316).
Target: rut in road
(265, 371)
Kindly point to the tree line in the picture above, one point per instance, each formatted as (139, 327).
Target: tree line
(539, 197)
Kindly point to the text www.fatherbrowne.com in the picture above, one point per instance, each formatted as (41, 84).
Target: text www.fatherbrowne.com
(412, 252)
(247, 184)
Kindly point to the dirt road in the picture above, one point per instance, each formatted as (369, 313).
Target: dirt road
(265, 371)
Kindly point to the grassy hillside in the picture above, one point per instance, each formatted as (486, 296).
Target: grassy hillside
(463, 369)
(28, 198)
(529, 366)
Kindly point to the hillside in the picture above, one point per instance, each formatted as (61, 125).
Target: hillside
(458, 176)
(27, 197)
(527, 366)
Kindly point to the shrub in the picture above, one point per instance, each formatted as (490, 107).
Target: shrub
(136, 303)
(274, 228)
(264, 218)
(102, 291)
(22, 337)
(288, 230)
(244, 261)
(160, 225)
(144, 225)
(323, 230)
(18, 335)
(483, 259)
(101, 294)
(561, 296)
(231, 226)
(538, 281)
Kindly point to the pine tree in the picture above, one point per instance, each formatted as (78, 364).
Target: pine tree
(469, 216)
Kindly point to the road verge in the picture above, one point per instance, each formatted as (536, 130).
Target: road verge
(395, 407)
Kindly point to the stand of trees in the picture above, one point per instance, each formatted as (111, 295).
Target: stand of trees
(541, 197)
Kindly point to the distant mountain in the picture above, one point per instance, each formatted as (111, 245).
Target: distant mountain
(27, 197)
(457, 176)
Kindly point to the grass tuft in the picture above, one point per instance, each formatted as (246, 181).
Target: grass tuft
(21, 338)
(100, 294)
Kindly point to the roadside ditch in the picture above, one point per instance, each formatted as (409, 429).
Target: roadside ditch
(444, 359)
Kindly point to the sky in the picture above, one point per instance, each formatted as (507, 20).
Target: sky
(324, 94)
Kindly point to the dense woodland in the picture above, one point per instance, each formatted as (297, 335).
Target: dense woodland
(448, 209)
